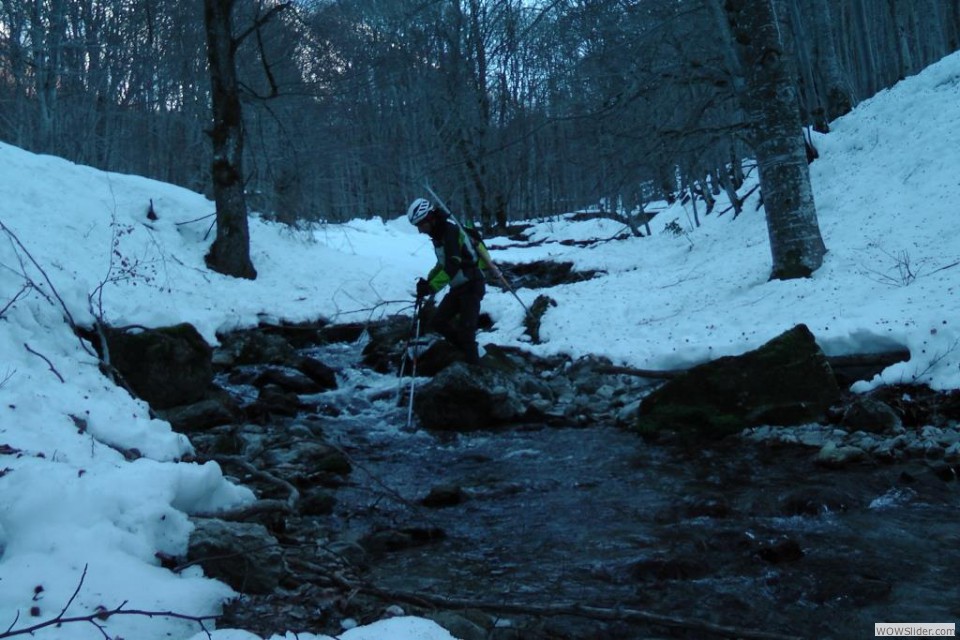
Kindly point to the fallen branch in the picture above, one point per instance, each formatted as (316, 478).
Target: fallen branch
(209, 215)
(294, 495)
(611, 614)
(885, 358)
(259, 507)
(246, 512)
(949, 266)
(879, 359)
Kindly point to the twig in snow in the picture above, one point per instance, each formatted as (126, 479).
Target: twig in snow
(49, 364)
(99, 616)
(63, 305)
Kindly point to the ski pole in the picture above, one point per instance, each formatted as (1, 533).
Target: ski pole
(406, 348)
(413, 367)
(510, 289)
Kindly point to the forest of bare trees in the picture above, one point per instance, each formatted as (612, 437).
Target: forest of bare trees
(509, 108)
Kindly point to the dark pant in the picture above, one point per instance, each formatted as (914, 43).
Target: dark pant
(457, 315)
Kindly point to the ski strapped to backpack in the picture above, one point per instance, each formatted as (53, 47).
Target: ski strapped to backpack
(484, 261)
(483, 255)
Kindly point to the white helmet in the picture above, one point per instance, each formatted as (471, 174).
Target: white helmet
(418, 210)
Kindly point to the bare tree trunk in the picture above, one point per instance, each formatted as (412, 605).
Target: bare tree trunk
(48, 40)
(770, 99)
(230, 252)
(16, 116)
(902, 32)
(726, 181)
(707, 193)
(839, 98)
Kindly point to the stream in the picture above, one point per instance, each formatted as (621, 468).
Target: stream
(735, 535)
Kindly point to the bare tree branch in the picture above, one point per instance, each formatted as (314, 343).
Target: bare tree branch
(98, 616)
(63, 305)
(258, 23)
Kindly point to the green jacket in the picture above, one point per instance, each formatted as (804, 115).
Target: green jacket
(457, 260)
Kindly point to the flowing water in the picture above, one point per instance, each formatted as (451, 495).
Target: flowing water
(739, 534)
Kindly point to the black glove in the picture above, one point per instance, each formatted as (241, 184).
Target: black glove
(423, 288)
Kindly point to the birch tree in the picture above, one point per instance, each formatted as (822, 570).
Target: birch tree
(768, 95)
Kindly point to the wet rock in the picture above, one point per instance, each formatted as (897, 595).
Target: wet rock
(329, 460)
(785, 382)
(323, 376)
(707, 506)
(386, 341)
(816, 501)
(344, 332)
(273, 401)
(254, 347)
(952, 453)
(317, 503)
(888, 451)
(628, 413)
(436, 356)
(780, 550)
(214, 411)
(390, 540)
(943, 471)
(226, 441)
(509, 359)
(288, 380)
(833, 456)
(299, 335)
(661, 569)
(919, 405)
(316, 456)
(945, 436)
(870, 414)
(243, 375)
(444, 495)
(244, 555)
(465, 398)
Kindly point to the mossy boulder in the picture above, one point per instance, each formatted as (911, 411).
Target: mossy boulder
(166, 366)
(787, 381)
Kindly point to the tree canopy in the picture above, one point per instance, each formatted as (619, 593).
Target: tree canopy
(508, 108)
